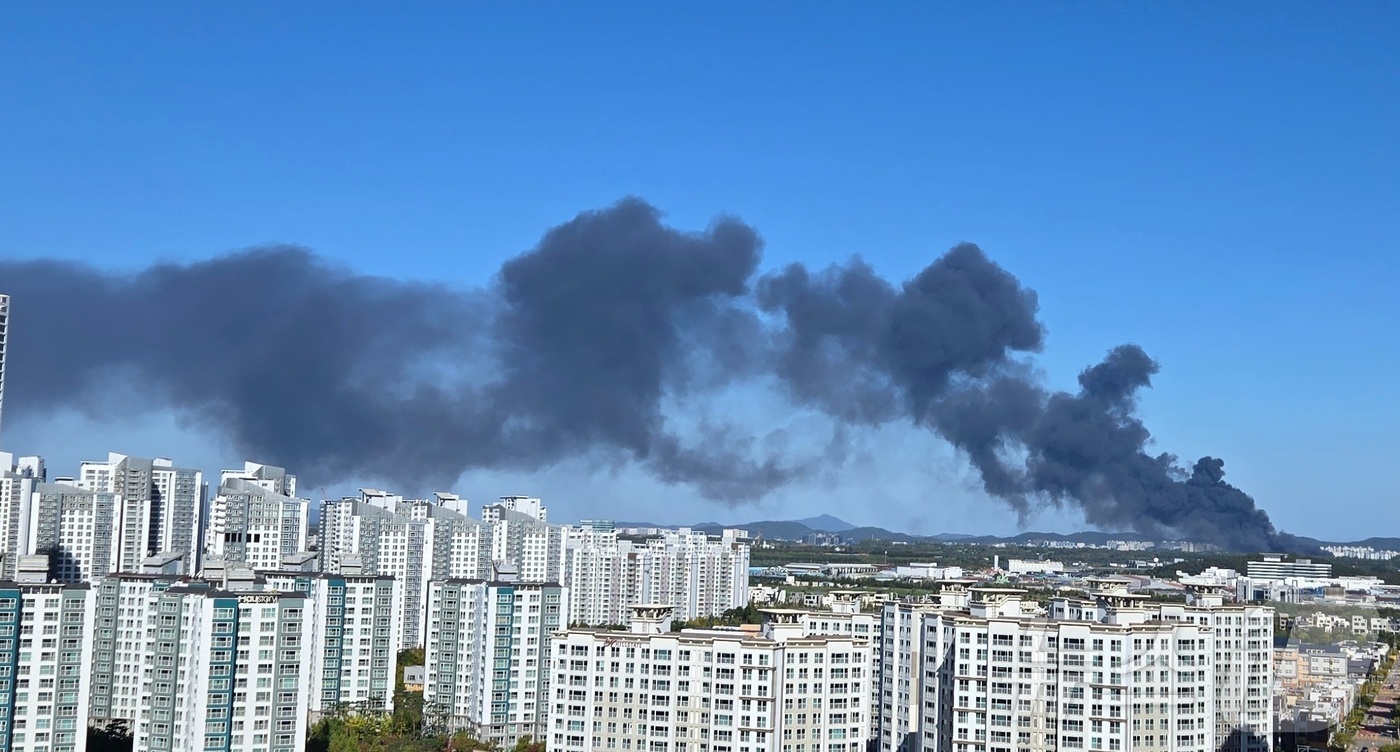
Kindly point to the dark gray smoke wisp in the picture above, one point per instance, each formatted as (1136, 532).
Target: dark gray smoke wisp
(574, 350)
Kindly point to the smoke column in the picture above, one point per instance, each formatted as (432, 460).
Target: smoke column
(574, 348)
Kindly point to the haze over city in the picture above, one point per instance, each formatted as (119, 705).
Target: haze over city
(1228, 209)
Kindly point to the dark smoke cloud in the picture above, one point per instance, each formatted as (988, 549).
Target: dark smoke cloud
(576, 347)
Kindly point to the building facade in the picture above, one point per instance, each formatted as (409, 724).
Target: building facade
(253, 523)
(160, 508)
(420, 540)
(78, 529)
(354, 648)
(1273, 567)
(487, 657)
(17, 482)
(606, 576)
(228, 671)
(1109, 671)
(717, 690)
(45, 651)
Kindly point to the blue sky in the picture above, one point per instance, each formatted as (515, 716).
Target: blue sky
(1215, 183)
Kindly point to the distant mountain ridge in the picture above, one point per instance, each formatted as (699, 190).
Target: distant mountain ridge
(796, 530)
(827, 524)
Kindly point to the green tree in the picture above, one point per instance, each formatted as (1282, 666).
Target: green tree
(113, 737)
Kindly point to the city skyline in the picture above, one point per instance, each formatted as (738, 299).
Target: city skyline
(1169, 219)
(763, 377)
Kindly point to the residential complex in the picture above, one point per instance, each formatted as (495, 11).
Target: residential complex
(721, 690)
(700, 576)
(985, 670)
(414, 541)
(564, 633)
(159, 508)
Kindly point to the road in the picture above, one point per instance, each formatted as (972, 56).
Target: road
(1378, 729)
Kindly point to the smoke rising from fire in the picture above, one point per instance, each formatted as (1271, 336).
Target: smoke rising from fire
(573, 350)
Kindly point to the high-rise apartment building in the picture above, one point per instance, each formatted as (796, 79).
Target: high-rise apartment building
(350, 657)
(461, 546)
(986, 670)
(45, 654)
(1243, 666)
(417, 540)
(649, 688)
(700, 575)
(160, 510)
(78, 529)
(354, 648)
(365, 536)
(527, 542)
(274, 479)
(488, 659)
(17, 482)
(526, 505)
(252, 521)
(225, 671)
(119, 645)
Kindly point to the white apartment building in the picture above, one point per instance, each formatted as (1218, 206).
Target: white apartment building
(525, 541)
(487, 657)
(354, 648)
(351, 657)
(160, 508)
(899, 703)
(252, 522)
(702, 576)
(460, 546)
(1243, 663)
(271, 478)
(709, 690)
(603, 575)
(46, 640)
(363, 537)
(78, 529)
(526, 505)
(845, 619)
(17, 482)
(119, 643)
(226, 671)
(418, 540)
(1111, 671)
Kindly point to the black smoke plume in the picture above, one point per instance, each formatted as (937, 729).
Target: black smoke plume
(573, 352)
